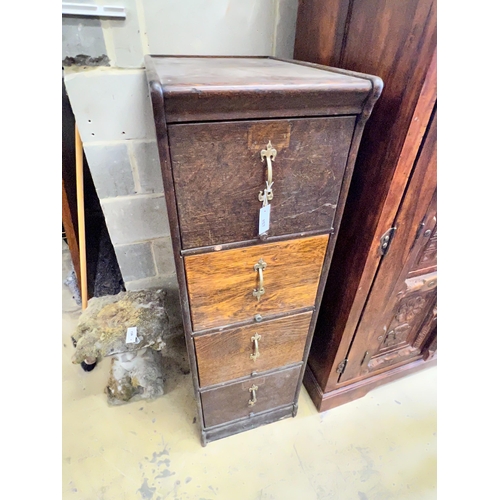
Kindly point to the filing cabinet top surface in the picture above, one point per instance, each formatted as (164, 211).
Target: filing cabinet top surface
(178, 74)
(233, 88)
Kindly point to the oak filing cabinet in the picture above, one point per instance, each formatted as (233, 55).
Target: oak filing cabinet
(257, 156)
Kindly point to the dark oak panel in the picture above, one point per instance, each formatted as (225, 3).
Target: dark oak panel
(227, 355)
(232, 401)
(218, 174)
(394, 307)
(246, 424)
(221, 284)
(427, 259)
(222, 88)
(320, 30)
(397, 40)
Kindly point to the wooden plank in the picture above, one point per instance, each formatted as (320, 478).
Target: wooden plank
(221, 284)
(80, 200)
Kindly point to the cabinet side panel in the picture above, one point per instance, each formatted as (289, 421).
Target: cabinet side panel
(401, 41)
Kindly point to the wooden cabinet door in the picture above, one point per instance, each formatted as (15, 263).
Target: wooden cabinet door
(400, 314)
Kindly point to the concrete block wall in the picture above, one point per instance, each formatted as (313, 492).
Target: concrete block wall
(109, 95)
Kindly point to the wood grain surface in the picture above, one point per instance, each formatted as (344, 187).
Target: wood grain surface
(231, 402)
(209, 74)
(222, 88)
(242, 425)
(218, 174)
(397, 42)
(226, 356)
(221, 284)
(391, 307)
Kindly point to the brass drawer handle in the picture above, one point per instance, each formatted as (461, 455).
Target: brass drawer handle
(268, 154)
(259, 267)
(256, 353)
(253, 399)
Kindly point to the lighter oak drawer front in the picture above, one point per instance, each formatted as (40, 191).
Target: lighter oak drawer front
(219, 172)
(234, 285)
(254, 395)
(254, 348)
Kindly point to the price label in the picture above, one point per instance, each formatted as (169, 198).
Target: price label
(131, 335)
(264, 218)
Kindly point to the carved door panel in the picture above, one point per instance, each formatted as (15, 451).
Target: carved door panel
(401, 312)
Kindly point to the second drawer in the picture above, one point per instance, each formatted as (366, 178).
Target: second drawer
(236, 353)
(227, 286)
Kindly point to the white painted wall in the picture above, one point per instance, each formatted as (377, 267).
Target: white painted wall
(113, 113)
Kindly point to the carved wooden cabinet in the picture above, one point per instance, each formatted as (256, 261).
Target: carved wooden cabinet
(378, 317)
(257, 155)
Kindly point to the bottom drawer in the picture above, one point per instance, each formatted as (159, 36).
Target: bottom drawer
(238, 400)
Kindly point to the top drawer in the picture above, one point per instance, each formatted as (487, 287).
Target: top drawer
(219, 172)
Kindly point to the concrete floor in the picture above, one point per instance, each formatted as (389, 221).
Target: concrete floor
(380, 447)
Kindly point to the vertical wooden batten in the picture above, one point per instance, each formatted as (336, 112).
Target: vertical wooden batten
(81, 218)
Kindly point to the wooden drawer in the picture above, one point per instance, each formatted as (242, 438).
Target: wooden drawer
(232, 401)
(221, 284)
(231, 354)
(218, 174)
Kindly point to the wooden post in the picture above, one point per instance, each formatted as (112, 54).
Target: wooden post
(81, 217)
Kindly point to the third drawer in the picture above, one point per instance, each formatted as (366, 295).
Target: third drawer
(255, 348)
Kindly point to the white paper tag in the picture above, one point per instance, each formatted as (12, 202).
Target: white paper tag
(131, 335)
(264, 218)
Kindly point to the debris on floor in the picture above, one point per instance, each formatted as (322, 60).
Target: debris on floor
(135, 375)
(132, 328)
